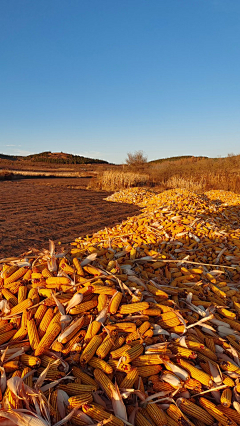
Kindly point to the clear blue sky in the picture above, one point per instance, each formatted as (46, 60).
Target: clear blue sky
(101, 78)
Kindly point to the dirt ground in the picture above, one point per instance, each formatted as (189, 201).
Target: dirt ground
(32, 211)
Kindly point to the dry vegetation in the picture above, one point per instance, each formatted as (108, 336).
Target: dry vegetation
(193, 173)
(112, 180)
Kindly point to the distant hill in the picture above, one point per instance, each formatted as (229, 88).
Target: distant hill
(54, 157)
(9, 157)
(181, 157)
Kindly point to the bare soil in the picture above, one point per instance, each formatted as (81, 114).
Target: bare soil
(32, 211)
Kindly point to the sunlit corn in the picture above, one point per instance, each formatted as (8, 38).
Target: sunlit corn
(193, 410)
(90, 349)
(51, 333)
(212, 409)
(33, 334)
(133, 307)
(85, 378)
(157, 414)
(99, 414)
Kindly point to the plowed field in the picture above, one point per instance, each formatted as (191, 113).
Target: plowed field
(32, 211)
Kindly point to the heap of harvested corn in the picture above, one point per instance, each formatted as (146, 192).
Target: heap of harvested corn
(138, 325)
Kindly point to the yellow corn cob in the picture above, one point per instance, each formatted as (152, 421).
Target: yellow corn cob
(57, 346)
(130, 379)
(215, 412)
(78, 267)
(226, 398)
(119, 352)
(73, 333)
(22, 293)
(130, 354)
(29, 379)
(104, 382)
(92, 270)
(83, 307)
(92, 330)
(176, 414)
(133, 307)
(210, 344)
(152, 312)
(149, 370)
(58, 281)
(114, 305)
(45, 359)
(55, 319)
(157, 414)
(128, 327)
(20, 334)
(157, 292)
(90, 349)
(18, 309)
(14, 287)
(11, 366)
(53, 401)
(9, 271)
(51, 334)
(126, 368)
(12, 400)
(119, 342)
(170, 421)
(52, 374)
(65, 267)
(76, 389)
(102, 302)
(46, 273)
(226, 313)
(9, 296)
(76, 420)
(162, 386)
(85, 378)
(228, 366)
(195, 411)
(169, 319)
(99, 414)
(201, 348)
(140, 420)
(48, 316)
(39, 314)
(36, 275)
(32, 334)
(229, 412)
(147, 360)
(78, 400)
(184, 352)
(74, 340)
(5, 337)
(30, 360)
(101, 364)
(106, 345)
(15, 276)
(6, 327)
(228, 381)
(33, 295)
(197, 374)
(101, 289)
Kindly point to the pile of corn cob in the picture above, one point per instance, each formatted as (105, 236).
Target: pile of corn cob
(136, 325)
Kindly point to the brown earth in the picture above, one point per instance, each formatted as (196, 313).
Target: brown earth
(32, 211)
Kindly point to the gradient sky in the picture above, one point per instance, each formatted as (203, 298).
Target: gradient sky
(101, 78)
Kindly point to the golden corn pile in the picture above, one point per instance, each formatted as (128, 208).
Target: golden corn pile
(136, 325)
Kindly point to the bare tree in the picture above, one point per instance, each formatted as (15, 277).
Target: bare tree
(137, 159)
